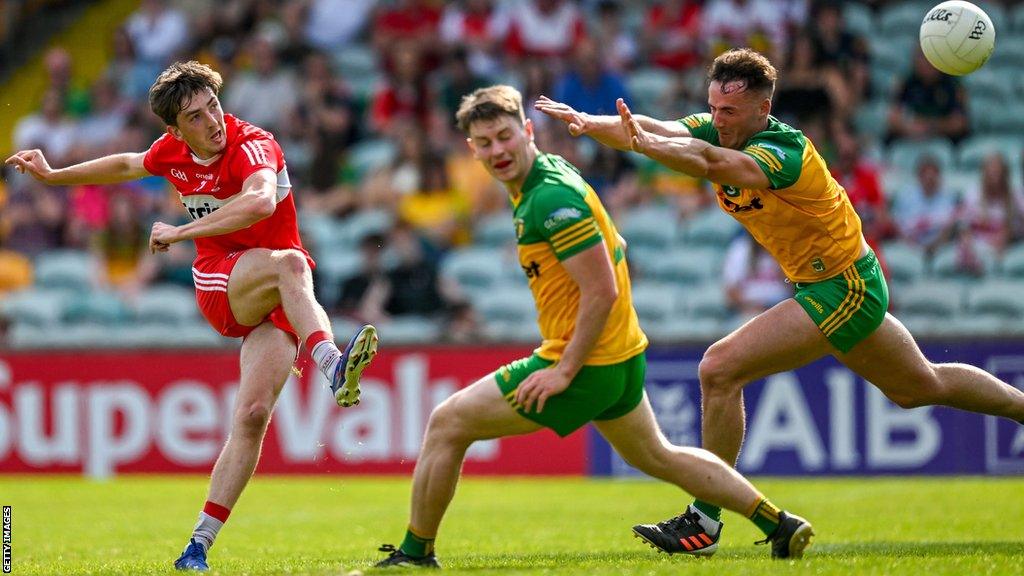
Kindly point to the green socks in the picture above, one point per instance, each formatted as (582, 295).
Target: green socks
(709, 510)
(765, 516)
(416, 546)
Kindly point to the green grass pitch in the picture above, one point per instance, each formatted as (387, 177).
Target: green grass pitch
(333, 525)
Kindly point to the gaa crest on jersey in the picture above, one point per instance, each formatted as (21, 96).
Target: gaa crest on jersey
(179, 174)
(520, 227)
(731, 191)
(560, 216)
(818, 265)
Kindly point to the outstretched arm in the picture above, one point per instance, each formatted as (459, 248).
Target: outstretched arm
(606, 129)
(694, 156)
(256, 201)
(105, 170)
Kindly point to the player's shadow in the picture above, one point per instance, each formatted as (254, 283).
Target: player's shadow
(916, 549)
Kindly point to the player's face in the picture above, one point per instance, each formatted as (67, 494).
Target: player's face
(504, 147)
(201, 125)
(737, 113)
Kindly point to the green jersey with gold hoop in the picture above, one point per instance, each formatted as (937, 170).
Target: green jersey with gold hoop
(558, 215)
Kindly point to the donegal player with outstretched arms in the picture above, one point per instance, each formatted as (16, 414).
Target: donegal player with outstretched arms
(769, 176)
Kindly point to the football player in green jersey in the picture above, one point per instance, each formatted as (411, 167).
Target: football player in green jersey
(590, 365)
(769, 177)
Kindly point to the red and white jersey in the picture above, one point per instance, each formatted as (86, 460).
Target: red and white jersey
(206, 185)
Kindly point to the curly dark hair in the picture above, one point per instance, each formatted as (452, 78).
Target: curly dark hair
(745, 65)
(175, 87)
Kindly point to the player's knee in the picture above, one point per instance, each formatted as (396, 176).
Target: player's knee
(716, 372)
(252, 418)
(291, 263)
(445, 424)
(927, 389)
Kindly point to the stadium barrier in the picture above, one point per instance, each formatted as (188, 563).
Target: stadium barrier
(103, 413)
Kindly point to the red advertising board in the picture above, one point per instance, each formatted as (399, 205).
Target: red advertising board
(103, 413)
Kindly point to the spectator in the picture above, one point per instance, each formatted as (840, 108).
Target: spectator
(861, 180)
(928, 103)
(435, 210)
(50, 129)
(331, 25)
(266, 94)
(757, 24)
(60, 77)
(107, 118)
(924, 212)
(620, 45)
(672, 34)
(546, 29)
(457, 80)
(159, 33)
(405, 94)
(838, 49)
(34, 218)
(470, 25)
(120, 245)
(807, 90)
(410, 23)
(992, 214)
(589, 86)
(412, 286)
(752, 280)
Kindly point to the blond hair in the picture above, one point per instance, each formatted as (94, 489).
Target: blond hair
(490, 103)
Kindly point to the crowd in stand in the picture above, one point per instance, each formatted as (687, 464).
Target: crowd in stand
(327, 77)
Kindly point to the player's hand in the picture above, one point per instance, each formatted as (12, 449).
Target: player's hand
(638, 138)
(162, 236)
(540, 386)
(577, 121)
(32, 162)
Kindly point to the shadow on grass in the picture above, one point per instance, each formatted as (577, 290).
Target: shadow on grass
(916, 549)
(823, 551)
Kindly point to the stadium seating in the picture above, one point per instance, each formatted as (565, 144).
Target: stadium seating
(72, 269)
(905, 262)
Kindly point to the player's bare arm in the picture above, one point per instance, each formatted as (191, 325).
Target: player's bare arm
(256, 201)
(693, 156)
(106, 170)
(592, 271)
(606, 129)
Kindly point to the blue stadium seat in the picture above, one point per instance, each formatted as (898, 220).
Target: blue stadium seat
(940, 300)
(369, 155)
(649, 227)
(973, 151)
(1012, 262)
(512, 305)
(859, 19)
(410, 330)
(166, 306)
(1000, 298)
(694, 265)
(707, 301)
(72, 269)
(494, 230)
(98, 307)
(946, 262)
(904, 154)
(711, 227)
(654, 302)
(905, 262)
(901, 19)
(477, 268)
(35, 306)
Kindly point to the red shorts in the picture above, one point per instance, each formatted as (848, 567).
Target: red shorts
(210, 276)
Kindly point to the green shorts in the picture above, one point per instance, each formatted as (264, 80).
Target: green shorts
(596, 393)
(848, 307)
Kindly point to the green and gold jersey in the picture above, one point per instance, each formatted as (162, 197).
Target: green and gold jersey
(558, 215)
(804, 219)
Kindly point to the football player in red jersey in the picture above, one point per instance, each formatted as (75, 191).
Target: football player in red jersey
(252, 276)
